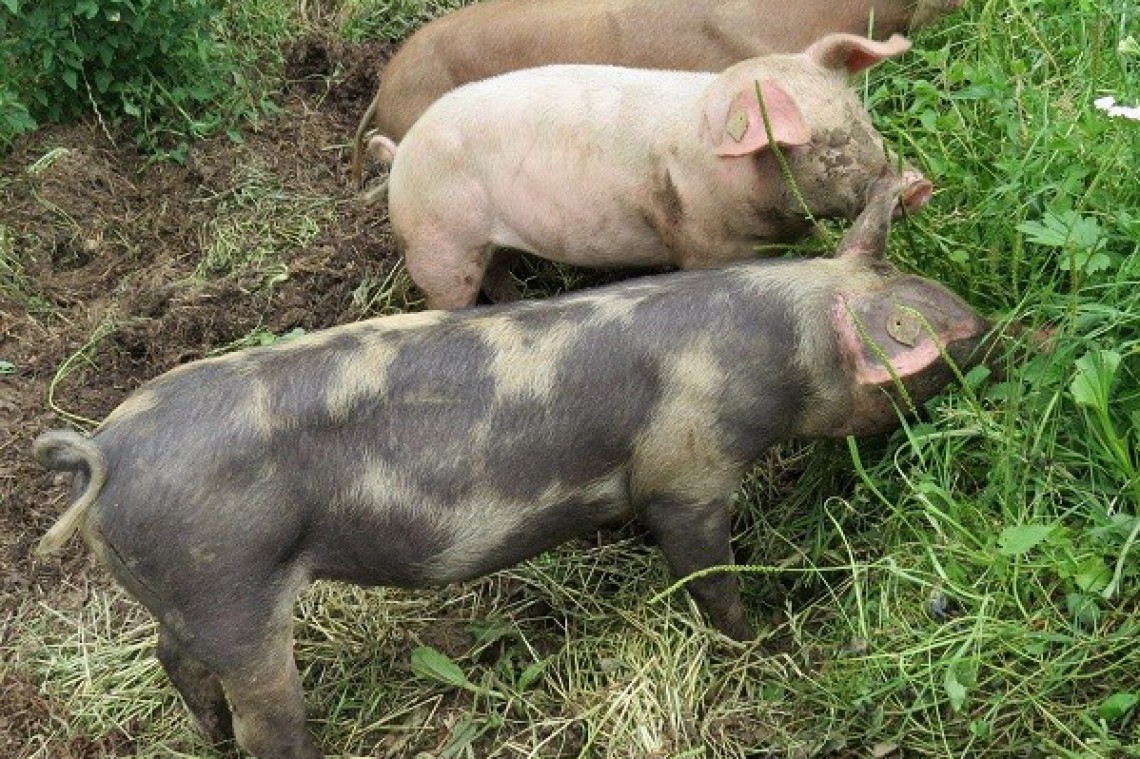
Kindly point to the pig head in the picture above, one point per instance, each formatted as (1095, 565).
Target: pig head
(491, 38)
(612, 167)
(436, 447)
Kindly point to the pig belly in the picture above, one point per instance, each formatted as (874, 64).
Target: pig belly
(586, 213)
(418, 544)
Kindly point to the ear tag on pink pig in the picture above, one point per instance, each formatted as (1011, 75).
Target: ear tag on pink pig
(736, 126)
(904, 326)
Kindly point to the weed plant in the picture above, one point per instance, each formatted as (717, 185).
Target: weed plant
(966, 587)
(168, 71)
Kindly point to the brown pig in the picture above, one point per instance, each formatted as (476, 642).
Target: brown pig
(436, 447)
(611, 167)
(497, 36)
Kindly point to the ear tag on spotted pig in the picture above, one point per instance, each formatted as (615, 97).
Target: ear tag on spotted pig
(904, 326)
(736, 126)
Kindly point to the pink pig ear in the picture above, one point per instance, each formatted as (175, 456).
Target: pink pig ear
(744, 131)
(852, 53)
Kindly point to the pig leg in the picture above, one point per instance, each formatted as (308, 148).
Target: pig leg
(269, 706)
(245, 644)
(497, 282)
(450, 275)
(695, 536)
(200, 688)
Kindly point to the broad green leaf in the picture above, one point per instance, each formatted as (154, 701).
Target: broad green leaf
(1083, 608)
(955, 690)
(977, 375)
(71, 79)
(531, 674)
(1063, 230)
(1092, 575)
(1092, 384)
(1117, 705)
(1018, 539)
(433, 665)
(103, 80)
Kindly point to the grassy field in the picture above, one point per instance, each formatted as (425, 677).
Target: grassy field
(968, 587)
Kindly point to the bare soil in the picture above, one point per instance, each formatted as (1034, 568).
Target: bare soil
(102, 236)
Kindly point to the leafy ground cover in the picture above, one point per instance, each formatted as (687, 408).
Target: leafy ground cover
(966, 587)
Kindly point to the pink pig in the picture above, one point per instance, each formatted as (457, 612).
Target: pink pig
(496, 36)
(612, 167)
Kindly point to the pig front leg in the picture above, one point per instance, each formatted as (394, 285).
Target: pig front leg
(695, 536)
(497, 282)
(449, 274)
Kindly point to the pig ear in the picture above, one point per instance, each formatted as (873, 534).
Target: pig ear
(852, 53)
(744, 131)
(868, 236)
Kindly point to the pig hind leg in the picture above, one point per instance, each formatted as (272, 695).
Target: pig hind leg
(240, 652)
(447, 260)
(269, 705)
(201, 689)
(449, 273)
(696, 536)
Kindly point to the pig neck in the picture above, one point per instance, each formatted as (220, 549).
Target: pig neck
(840, 404)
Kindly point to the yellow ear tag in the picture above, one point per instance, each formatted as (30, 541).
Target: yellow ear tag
(736, 126)
(904, 326)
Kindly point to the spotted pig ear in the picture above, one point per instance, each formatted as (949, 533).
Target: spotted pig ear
(867, 237)
(744, 131)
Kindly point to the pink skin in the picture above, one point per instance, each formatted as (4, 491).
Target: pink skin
(612, 167)
(903, 363)
(917, 194)
(496, 36)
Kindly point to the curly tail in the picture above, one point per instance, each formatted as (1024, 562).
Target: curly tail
(68, 451)
(378, 146)
(354, 173)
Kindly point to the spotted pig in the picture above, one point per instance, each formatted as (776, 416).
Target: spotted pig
(436, 447)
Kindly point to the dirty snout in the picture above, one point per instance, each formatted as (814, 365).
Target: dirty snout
(845, 167)
(913, 188)
(916, 192)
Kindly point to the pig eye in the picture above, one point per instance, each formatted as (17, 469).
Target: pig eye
(904, 325)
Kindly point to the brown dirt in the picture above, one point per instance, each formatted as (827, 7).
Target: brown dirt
(101, 236)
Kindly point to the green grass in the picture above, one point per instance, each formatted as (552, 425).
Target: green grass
(388, 19)
(256, 222)
(968, 587)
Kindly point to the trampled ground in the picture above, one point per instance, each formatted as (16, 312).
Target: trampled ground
(112, 290)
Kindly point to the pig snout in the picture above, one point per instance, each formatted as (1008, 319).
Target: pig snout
(916, 193)
(911, 189)
(1011, 343)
